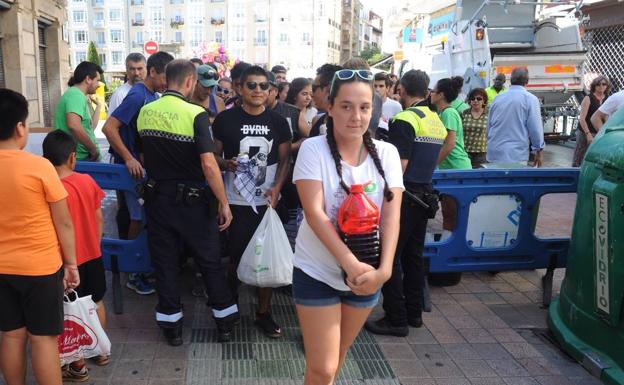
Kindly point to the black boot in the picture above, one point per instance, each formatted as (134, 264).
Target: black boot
(384, 327)
(173, 336)
(225, 327)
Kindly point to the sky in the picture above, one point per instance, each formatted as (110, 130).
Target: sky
(379, 7)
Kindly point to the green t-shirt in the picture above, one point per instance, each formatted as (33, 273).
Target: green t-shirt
(457, 159)
(74, 101)
(460, 105)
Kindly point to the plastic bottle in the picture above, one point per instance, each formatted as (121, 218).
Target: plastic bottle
(358, 224)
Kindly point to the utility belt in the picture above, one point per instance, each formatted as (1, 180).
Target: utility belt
(424, 197)
(187, 193)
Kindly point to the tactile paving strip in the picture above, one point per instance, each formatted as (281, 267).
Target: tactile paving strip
(253, 358)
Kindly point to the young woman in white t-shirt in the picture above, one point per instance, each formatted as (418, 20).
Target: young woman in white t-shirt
(331, 313)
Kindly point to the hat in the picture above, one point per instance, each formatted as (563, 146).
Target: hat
(207, 75)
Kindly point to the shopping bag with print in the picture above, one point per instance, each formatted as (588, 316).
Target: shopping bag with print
(267, 260)
(83, 335)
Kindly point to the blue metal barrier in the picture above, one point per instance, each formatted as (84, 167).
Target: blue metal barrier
(525, 251)
(456, 254)
(130, 256)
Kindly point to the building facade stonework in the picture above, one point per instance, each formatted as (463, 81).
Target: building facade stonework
(34, 56)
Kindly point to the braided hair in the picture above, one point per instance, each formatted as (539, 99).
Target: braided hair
(370, 147)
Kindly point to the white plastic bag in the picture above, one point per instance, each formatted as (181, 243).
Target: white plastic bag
(83, 335)
(267, 260)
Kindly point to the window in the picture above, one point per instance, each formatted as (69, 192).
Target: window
(157, 35)
(197, 36)
(261, 37)
(218, 36)
(260, 11)
(114, 15)
(239, 33)
(217, 17)
(80, 57)
(176, 1)
(283, 37)
(136, 2)
(197, 15)
(139, 37)
(305, 37)
(80, 16)
(239, 10)
(103, 60)
(156, 15)
(178, 36)
(81, 37)
(100, 38)
(117, 57)
(99, 19)
(116, 36)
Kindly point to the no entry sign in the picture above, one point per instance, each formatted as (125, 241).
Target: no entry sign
(150, 47)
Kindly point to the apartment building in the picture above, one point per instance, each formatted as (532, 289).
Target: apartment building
(33, 55)
(264, 32)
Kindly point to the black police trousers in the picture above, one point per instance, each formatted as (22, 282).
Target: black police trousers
(169, 225)
(403, 292)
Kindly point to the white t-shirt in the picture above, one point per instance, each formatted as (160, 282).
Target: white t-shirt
(613, 103)
(118, 96)
(389, 109)
(310, 114)
(316, 163)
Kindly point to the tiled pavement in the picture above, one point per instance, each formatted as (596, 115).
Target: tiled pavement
(487, 330)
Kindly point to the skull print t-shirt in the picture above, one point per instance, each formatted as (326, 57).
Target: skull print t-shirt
(254, 138)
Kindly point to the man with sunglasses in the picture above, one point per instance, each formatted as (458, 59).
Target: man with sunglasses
(260, 139)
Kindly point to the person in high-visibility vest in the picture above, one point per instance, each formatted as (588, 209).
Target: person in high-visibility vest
(184, 196)
(497, 88)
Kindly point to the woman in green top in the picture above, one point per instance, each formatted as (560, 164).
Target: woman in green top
(452, 155)
(475, 122)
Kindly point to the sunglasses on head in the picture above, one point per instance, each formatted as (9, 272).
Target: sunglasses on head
(225, 91)
(209, 75)
(347, 74)
(253, 85)
(477, 98)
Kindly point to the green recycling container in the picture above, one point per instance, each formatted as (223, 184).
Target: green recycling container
(587, 318)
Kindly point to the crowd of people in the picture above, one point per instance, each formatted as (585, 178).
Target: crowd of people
(212, 154)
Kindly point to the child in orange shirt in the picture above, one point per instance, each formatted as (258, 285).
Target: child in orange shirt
(35, 226)
(84, 200)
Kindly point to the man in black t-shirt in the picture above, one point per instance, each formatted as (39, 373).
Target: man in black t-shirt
(320, 93)
(252, 144)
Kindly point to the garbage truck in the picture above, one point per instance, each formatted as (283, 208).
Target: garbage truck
(488, 37)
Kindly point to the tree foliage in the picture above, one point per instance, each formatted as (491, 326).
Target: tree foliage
(92, 54)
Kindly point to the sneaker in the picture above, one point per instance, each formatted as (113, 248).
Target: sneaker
(71, 374)
(199, 290)
(269, 327)
(173, 336)
(140, 286)
(383, 327)
(225, 327)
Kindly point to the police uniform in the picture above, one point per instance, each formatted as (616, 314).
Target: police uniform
(181, 208)
(418, 133)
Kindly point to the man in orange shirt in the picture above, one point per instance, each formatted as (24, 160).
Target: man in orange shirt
(37, 251)
(85, 206)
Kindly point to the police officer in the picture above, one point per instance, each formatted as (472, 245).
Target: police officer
(418, 134)
(184, 197)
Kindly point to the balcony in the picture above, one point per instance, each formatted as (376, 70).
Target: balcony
(98, 23)
(260, 42)
(97, 3)
(138, 22)
(176, 22)
(217, 20)
(261, 19)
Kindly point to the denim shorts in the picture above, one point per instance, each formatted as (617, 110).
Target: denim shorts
(308, 291)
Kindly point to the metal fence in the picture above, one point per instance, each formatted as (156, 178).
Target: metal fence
(606, 54)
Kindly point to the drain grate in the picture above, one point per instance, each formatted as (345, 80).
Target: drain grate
(252, 357)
